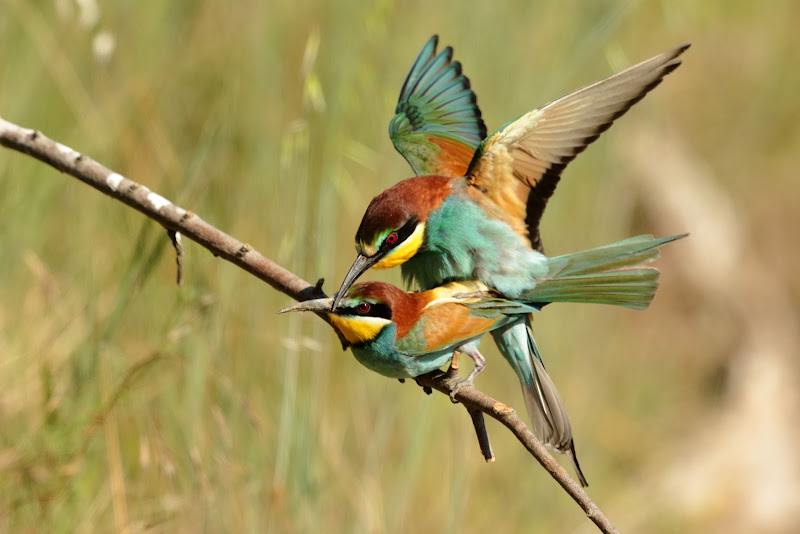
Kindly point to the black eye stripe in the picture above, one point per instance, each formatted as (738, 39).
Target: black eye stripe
(377, 309)
(402, 233)
(407, 229)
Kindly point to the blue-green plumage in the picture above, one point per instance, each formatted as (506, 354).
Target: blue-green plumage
(477, 202)
(463, 243)
(390, 357)
(491, 252)
(387, 356)
(436, 116)
(404, 335)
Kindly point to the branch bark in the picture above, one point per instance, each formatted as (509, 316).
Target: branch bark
(178, 220)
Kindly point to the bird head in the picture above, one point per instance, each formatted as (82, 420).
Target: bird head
(392, 230)
(364, 311)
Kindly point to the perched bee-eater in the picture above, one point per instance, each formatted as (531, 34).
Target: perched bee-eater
(473, 210)
(404, 335)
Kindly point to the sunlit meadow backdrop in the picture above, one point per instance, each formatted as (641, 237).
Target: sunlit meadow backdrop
(129, 404)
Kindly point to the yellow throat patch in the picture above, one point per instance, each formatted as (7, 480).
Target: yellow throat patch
(359, 329)
(405, 251)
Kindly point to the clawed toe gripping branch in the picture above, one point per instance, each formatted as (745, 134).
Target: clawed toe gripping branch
(180, 222)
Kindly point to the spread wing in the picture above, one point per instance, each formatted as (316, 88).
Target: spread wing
(518, 168)
(437, 126)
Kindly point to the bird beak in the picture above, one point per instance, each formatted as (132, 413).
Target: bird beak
(317, 305)
(361, 264)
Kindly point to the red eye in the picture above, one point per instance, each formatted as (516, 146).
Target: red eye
(364, 307)
(391, 238)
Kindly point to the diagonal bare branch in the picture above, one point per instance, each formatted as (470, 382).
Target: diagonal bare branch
(179, 220)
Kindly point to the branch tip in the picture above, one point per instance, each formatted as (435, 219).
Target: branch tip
(483, 437)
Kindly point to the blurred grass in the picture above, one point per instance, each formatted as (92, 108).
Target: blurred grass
(129, 404)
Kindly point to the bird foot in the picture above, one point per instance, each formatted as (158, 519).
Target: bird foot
(480, 363)
(426, 389)
(457, 387)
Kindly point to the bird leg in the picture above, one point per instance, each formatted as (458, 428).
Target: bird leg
(480, 363)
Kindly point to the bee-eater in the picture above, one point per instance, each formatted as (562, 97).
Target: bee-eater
(473, 210)
(404, 335)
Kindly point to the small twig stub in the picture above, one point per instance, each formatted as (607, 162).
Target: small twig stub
(177, 243)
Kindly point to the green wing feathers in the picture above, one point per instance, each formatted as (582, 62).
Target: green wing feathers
(438, 125)
(611, 274)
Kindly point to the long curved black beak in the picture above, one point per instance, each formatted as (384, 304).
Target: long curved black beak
(361, 264)
(317, 305)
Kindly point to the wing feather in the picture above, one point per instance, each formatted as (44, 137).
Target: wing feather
(437, 124)
(456, 312)
(535, 148)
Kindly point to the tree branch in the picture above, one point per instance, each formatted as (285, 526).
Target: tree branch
(177, 220)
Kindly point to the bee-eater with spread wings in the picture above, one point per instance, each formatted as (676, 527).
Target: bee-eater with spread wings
(473, 210)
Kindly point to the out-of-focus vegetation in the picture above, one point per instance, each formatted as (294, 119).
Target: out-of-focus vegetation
(129, 404)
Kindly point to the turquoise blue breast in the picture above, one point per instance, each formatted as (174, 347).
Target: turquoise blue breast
(382, 356)
(463, 243)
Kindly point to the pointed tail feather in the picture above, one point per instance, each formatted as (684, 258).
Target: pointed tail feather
(611, 274)
(626, 253)
(548, 415)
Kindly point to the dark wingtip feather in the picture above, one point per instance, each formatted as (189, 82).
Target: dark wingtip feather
(672, 65)
(448, 51)
(574, 458)
(666, 69)
(433, 42)
(680, 49)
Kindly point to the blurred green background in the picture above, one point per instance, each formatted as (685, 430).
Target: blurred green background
(128, 404)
